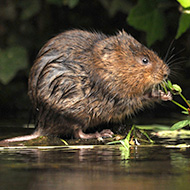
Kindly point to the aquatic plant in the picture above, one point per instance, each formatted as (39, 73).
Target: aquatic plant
(131, 138)
(175, 89)
(167, 87)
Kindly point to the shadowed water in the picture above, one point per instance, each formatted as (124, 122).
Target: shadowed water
(101, 167)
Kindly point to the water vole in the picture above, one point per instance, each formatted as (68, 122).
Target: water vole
(81, 79)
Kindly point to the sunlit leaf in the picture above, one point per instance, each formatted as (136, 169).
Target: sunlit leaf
(65, 142)
(185, 112)
(125, 143)
(184, 3)
(180, 125)
(177, 88)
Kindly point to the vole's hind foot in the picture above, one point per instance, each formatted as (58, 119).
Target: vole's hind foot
(97, 135)
(106, 133)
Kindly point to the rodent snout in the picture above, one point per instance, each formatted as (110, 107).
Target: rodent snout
(166, 73)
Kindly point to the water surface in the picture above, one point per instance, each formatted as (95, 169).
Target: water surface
(102, 167)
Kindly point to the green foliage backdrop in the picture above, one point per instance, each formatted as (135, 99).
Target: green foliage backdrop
(25, 25)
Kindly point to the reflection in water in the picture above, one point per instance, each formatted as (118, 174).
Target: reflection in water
(98, 168)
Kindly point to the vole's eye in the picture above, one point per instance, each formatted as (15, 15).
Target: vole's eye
(145, 61)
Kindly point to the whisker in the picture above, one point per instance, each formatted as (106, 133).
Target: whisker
(169, 50)
(180, 51)
(176, 61)
(175, 75)
(170, 58)
(176, 71)
(174, 55)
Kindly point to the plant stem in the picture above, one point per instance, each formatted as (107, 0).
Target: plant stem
(184, 108)
(164, 86)
(185, 100)
(147, 136)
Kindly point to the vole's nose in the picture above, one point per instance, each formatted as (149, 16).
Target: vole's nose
(166, 73)
(165, 76)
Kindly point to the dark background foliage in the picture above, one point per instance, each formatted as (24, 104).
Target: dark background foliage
(25, 25)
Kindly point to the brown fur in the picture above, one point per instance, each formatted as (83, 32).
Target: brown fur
(81, 79)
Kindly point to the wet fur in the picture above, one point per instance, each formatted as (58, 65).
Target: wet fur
(81, 79)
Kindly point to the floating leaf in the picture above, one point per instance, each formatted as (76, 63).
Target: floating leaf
(146, 16)
(12, 60)
(180, 125)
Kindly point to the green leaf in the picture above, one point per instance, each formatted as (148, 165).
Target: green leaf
(29, 9)
(154, 127)
(71, 3)
(180, 125)
(127, 139)
(184, 3)
(115, 6)
(65, 142)
(184, 24)
(170, 86)
(125, 144)
(12, 60)
(146, 16)
(177, 88)
(185, 112)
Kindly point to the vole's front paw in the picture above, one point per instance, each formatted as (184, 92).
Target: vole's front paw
(164, 96)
